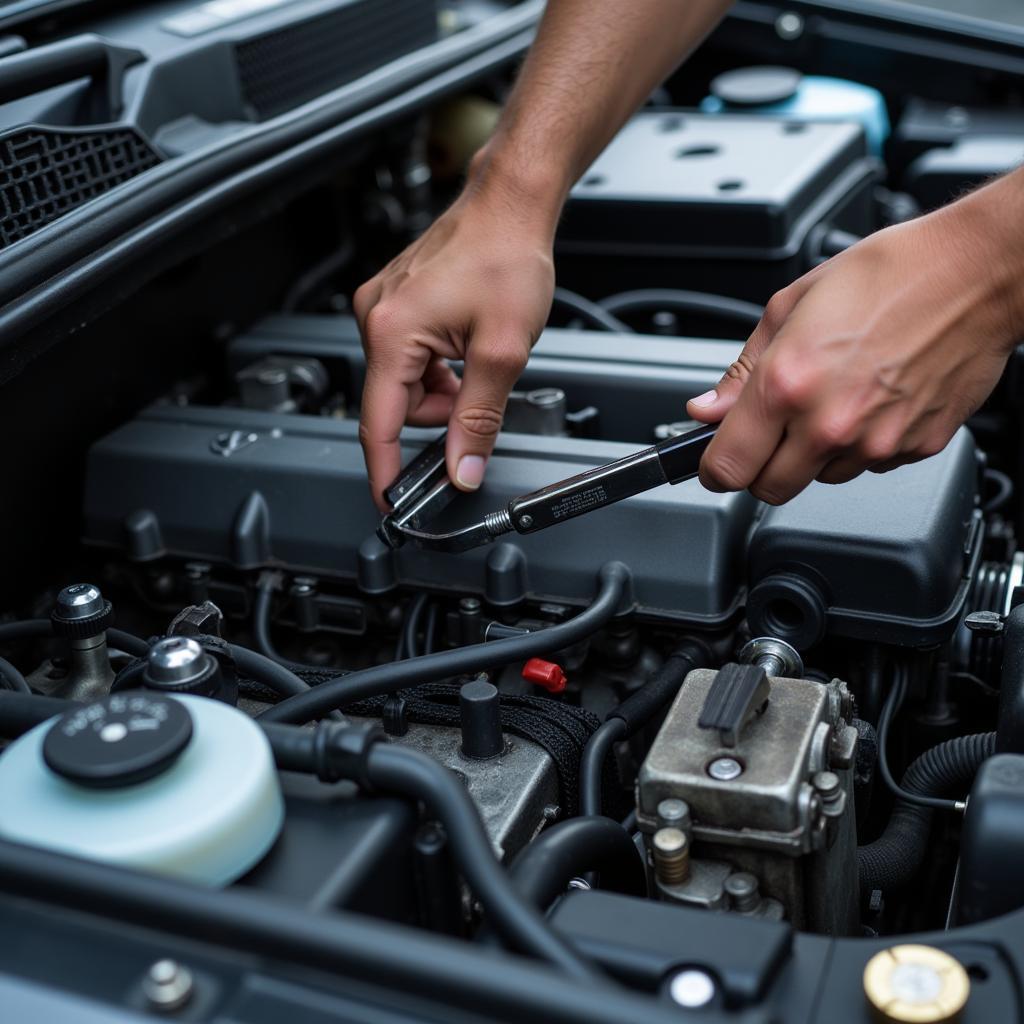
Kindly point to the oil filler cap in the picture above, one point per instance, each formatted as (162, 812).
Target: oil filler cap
(118, 741)
(913, 984)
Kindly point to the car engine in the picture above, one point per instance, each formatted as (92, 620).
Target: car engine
(686, 754)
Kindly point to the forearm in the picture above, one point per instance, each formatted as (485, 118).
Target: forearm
(593, 63)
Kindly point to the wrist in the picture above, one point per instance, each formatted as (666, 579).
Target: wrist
(993, 217)
(529, 193)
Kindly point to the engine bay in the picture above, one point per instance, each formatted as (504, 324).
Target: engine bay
(690, 753)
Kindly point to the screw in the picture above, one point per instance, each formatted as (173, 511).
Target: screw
(725, 769)
(985, 623)
(741, 888)
(168, 985)
(175, 659)
(671, 855)
(692, 988)
(789, 26)
(674, 814)
(526, 521)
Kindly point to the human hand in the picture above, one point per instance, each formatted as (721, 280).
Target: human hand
(477, 287)
(875, 358)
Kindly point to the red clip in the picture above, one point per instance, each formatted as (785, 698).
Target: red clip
(546, 674)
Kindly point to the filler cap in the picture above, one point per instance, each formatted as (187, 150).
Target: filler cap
(118, 741)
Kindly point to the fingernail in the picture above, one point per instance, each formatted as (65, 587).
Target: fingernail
(708, 398)
(471, 471)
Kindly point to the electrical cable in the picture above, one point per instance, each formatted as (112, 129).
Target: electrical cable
(614, 580)
(891, 707)
(722, 306)
(591, 312)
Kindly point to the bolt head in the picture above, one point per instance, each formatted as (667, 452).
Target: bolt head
(789, 26)
(692, 988)
(79, 601)
(725, 769)
(827, 784)
(669, 840)
(175, 659)
(168, 985)
(526, 521)
(674, 813)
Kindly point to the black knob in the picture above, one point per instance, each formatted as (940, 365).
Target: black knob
(118, 741)
(480, 711)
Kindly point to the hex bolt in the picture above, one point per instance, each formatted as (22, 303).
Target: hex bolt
(692, 988)
(673, 813)
(725, 769)
(776, 657)
(741, 888)
(168, 985)
(671, 851)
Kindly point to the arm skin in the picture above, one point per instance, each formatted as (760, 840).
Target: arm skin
(875, 358)
(478, 285)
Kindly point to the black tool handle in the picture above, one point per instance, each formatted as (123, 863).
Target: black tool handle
(669, 462)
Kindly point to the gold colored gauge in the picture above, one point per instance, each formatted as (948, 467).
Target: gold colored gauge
(915, 985)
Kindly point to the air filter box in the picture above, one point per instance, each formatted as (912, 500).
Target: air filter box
(724, 203)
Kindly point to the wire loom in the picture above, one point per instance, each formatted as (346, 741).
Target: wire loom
(561, 729)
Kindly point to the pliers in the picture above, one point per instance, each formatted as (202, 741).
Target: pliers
(423, 490)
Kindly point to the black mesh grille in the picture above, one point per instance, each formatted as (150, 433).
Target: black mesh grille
(44, 173)
(287, 67)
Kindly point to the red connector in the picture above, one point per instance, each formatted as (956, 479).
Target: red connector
(546, 674)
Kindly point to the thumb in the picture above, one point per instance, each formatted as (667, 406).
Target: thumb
(712, 406)
(491, 368)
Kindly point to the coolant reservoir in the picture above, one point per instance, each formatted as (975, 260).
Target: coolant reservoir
(182, 786)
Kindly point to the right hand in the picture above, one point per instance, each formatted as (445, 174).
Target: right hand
(477, 287)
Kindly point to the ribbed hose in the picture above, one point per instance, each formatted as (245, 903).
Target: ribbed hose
(893, 859)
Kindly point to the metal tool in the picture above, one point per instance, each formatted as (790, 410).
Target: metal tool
(423, 490)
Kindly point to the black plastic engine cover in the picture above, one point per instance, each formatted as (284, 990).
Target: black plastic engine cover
(887, 557)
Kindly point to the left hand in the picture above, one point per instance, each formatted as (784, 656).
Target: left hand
(875, 358)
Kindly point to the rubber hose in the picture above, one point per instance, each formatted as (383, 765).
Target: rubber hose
(591, 312)
(12, 679)
(632, 715)
(261, 622)
(334, 693)
(407, 772)
(411, 626)
(20, 712)
(893, 859)
(747, 313)
(592, 763)
(544, 867)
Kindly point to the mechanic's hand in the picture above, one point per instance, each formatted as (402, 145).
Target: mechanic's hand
(873, 359)
(477, 286)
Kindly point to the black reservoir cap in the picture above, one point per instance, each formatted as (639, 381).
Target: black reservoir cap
(118, 741)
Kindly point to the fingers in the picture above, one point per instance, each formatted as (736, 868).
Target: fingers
(493, 364)
(385, 404)
(712, 406)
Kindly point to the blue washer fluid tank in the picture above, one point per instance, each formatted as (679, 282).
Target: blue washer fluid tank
(786, 92)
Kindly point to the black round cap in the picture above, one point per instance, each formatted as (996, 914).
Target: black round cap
(756, 87)
(121, 740)
(480, 717)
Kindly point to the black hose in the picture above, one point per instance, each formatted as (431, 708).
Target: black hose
(595, 753)
(261, 620)
(20, 712)
(895, 857)
(12, 679)
(317, 274)
(396, 769)
(411, 626)
(1002, 486)
(747, 313)
(334, 693)
(430, 629)
(544, 867)
(632, 715)
(890, 709)
(591, 312)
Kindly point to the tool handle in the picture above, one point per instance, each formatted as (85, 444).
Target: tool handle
(671, 461)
